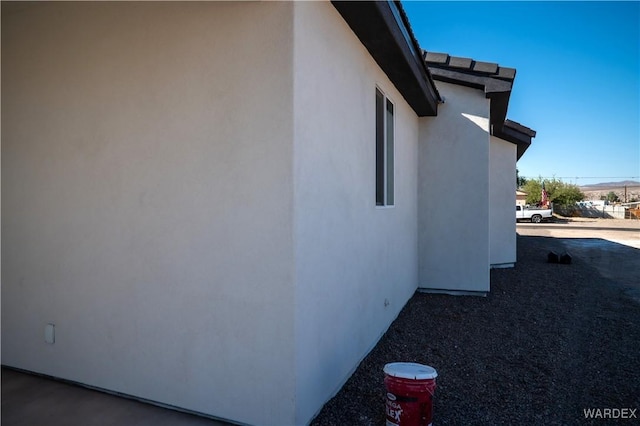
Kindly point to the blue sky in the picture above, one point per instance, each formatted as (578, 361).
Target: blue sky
(577, 82)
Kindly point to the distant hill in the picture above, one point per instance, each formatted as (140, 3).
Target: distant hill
(611, 184)
(599, 190)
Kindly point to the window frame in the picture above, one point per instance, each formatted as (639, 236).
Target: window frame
(385, 112)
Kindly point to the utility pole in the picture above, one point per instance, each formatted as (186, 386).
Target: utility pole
(625, 193)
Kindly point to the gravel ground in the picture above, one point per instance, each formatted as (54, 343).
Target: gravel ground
(548, 342)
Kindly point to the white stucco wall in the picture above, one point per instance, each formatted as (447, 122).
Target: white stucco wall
(147, 202)
(502, 198)
(453, 193)
(356, 264)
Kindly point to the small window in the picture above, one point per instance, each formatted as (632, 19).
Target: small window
(384, 150)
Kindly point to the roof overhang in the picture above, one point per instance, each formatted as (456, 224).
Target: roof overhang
(384, 30)
(498, 91)
(495, 81)
(516, 133)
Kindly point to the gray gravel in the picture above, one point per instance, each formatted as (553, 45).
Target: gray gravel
(548, 342)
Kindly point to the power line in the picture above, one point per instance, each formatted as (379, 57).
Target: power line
(583, 177)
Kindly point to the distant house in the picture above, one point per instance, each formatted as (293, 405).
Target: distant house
(521, 198)
(221, 207)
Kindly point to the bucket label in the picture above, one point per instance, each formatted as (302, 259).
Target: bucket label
(394, 411)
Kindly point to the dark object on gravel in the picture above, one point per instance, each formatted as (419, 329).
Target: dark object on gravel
(565, 258)
(552, 257)
(545, 345)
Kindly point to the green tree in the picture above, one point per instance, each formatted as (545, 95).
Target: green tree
(558, 192)
(567, 194)
(533, 188)
(612, 197)
(520, 181)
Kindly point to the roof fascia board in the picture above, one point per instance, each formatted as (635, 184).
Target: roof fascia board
(498, 109)
(498, 91)
(521, 139)
(520, 128)
(380, 28)
(488, 84)
(403, 22)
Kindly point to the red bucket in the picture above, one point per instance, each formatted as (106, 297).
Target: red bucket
(410, 389)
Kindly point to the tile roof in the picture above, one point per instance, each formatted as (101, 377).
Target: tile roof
(468, 66)
(497, 83)
(384, 29)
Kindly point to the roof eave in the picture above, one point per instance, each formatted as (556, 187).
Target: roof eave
(496, 82)
(521, 139)
(381, 28)
(498, 91)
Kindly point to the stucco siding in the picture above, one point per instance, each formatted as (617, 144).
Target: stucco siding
(502, 197)
(147, 200)
(453, 193)
(356, 264)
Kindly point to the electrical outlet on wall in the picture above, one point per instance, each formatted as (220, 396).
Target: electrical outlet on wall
(50, 333)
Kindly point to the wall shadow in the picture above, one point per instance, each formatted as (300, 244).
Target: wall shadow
(619, 264)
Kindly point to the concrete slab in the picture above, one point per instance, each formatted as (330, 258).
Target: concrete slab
(622, 231)
(29, 400)
(612, 246)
